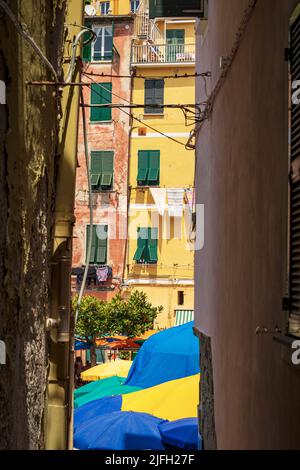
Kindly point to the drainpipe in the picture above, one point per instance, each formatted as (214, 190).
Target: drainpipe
(59, 400)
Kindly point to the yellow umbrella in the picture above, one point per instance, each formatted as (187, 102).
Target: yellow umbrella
(108, 369)
(172, 400)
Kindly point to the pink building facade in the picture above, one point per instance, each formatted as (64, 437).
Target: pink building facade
(106, 68)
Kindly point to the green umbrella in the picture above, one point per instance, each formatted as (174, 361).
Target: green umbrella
(105, 392)
(99, 386)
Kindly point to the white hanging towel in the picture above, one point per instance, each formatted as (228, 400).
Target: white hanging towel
(159, 196)
(175, 202)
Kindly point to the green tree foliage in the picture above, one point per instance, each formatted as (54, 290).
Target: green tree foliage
(130, 317)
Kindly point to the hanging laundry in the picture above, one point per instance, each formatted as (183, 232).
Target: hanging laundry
(159, 196)
(102, 274)
(175, 202)
(110, 273)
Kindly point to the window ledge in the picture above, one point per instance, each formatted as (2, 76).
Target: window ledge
(101, 122)
(152, 115)
(98, 62)
(105, 191)
(147, 187)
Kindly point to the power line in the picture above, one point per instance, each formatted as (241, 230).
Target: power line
(157, 77)
(139, 106)
(132, 115)
(206, 113)
(23, 31)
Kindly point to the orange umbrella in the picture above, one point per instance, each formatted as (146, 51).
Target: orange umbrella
(126, 344)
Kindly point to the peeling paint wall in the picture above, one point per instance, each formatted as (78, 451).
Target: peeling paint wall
(28, 142)
(110, 208)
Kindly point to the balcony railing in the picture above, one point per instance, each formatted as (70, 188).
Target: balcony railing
(163, 53)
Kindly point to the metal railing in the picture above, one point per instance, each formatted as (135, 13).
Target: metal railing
(163, 53)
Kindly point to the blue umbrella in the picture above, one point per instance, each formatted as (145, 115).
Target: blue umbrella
(79, 345)
(168, 355)
(120, 430)
(182, 433)
(96, 408)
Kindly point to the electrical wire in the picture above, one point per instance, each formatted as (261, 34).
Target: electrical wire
(132, 115)
(23, 31)
(75, 43)
(89, 248)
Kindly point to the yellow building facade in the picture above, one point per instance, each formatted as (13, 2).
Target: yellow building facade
(159, 257)
(161, 262)
(112, 7)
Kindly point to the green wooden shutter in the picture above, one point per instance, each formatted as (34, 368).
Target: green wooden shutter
(101, 95)
(143, 167)
(101, 256)
(152, 245)
(159, 94)
(141, 252)
(154, 165)
(96, 169)
(94, 243)
(107, 169)
(154, 94)
(149, 96)
(113, 49)
(87, 50)
(107, 99)
(175, 36)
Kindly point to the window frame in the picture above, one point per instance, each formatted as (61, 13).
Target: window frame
(136, 7)
(94, 110)
(101, 187)
(104, 4)
(146, 182)
(155, 100)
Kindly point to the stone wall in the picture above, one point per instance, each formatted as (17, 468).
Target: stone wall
(28, 158)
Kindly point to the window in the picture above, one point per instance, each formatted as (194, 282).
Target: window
(87, 50)
(134, 5)
(175, 44)
(148, 168)
(99, 244)
(100, 49)
(101, 170)
(154, 94)
(180, 297)
(105, 7)
(146, 252)
(101, 94)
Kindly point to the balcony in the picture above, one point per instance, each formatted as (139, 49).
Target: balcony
(161, 54)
